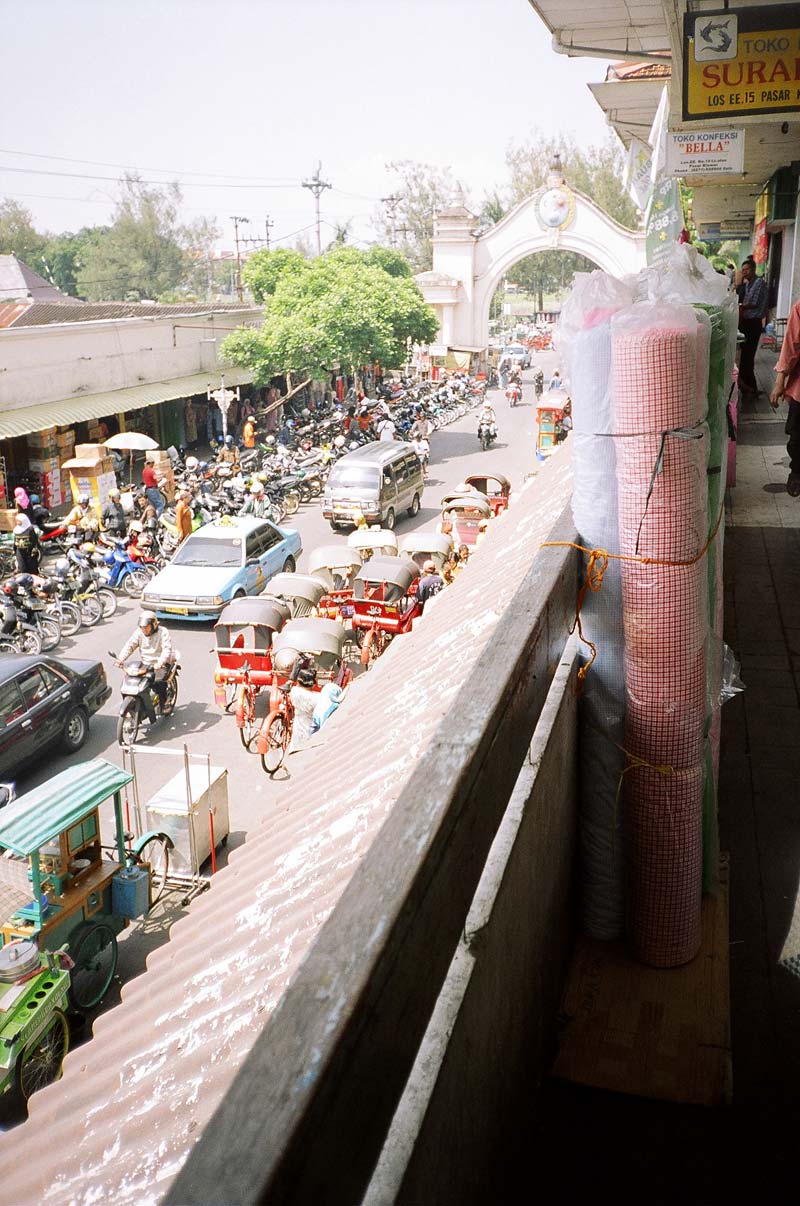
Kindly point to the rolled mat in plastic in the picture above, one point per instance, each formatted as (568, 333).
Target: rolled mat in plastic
(663, 515)
(602, 702)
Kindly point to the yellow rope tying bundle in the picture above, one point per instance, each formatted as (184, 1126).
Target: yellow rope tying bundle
(596, 567)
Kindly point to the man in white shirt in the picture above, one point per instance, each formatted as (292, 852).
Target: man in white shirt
(386, 429)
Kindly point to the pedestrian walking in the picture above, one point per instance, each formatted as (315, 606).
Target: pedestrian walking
(753, 305)
(152, 492)
(787, 385)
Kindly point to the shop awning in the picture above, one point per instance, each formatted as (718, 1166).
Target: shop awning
(93, 406)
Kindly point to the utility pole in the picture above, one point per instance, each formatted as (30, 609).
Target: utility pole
(236, 220)
(391, 204)
(267, 228)
(317, 186)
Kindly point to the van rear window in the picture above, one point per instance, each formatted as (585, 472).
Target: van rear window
(353, 477)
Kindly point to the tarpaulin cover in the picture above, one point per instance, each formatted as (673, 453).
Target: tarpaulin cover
(659, 353)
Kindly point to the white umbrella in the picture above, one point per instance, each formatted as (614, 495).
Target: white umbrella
(131, 441)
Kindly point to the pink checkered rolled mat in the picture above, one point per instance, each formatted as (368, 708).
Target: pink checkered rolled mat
(663, 515)
(663, 825)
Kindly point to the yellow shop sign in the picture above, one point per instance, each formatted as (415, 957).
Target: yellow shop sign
(741, 62)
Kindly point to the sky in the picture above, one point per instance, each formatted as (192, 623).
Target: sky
(240, 99)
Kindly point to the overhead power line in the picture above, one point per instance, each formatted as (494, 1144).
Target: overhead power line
(115, 179)
(131, 168)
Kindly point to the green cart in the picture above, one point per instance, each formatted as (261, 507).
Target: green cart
(64, 899)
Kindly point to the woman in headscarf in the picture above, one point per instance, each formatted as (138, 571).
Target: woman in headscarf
(24, 505)
(26, 545)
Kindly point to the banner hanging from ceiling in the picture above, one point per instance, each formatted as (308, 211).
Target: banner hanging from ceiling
(741, 62)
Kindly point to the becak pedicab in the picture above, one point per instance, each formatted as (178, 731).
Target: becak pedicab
(427, 546)
(465, 517)
(373, 542)
(338, 565)
(244, 635)
(301, 592)
(384, 603)
(307, 657)
(494, 487)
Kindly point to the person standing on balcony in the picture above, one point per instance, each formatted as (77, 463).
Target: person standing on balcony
(753, 304)
(787, 385)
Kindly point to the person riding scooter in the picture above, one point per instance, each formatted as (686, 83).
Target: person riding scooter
(154, 646)
(487, 415)
(113, 515)
(228, 453)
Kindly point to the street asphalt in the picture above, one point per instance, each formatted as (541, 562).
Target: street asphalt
(197, 722)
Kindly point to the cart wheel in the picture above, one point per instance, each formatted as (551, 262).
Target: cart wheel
(41, 1060)
(155, 851)
(277, 739)
(246, 719)
(95, 955)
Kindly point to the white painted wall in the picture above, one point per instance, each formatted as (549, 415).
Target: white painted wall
(480, 263)
(67, 360)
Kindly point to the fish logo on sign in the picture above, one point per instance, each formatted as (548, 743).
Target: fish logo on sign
(716, 38)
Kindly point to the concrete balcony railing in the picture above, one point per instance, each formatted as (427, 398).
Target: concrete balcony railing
(425, 1006)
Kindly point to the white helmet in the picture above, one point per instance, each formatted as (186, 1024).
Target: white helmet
(339, 442)
(257, 487)
(191, 464)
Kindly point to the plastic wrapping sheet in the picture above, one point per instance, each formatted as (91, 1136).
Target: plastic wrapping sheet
(602, 706)
(585, 336)
(658, 358)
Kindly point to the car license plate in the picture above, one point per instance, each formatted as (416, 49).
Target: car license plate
(177, 611)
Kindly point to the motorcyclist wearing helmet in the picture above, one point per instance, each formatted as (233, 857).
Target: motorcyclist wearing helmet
(154, 647)
(83, 515)
(257, 503)
(228, 453)
(487, 415)
(113, 514)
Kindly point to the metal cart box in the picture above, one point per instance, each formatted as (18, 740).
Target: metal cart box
(182, 809)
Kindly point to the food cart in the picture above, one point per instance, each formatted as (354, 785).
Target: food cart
(64, 897)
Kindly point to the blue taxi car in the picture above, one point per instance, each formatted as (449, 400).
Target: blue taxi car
(235, 555)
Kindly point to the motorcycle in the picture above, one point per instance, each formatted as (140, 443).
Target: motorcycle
(485, 434)
(124, 573)
(514, 394)
(141, 701)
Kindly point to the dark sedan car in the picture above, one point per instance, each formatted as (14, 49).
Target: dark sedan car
(45, 701)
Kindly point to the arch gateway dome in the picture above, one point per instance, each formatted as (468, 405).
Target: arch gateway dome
(467, 268)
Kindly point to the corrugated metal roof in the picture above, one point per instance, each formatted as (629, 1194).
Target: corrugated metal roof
(72, 310)
(10, 311)
(122, 1120)
(36, 818)
(94, 406)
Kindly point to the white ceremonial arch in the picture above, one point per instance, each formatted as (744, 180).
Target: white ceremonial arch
(467, 268)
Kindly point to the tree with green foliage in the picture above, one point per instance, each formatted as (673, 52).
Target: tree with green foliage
(64, 256)
(342, 308)
(143, 253)
(18, 235)
(264, 269)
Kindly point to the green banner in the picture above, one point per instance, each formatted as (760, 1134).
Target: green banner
(664, 221)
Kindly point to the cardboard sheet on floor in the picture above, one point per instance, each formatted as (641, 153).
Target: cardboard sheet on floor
(658, 1033)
